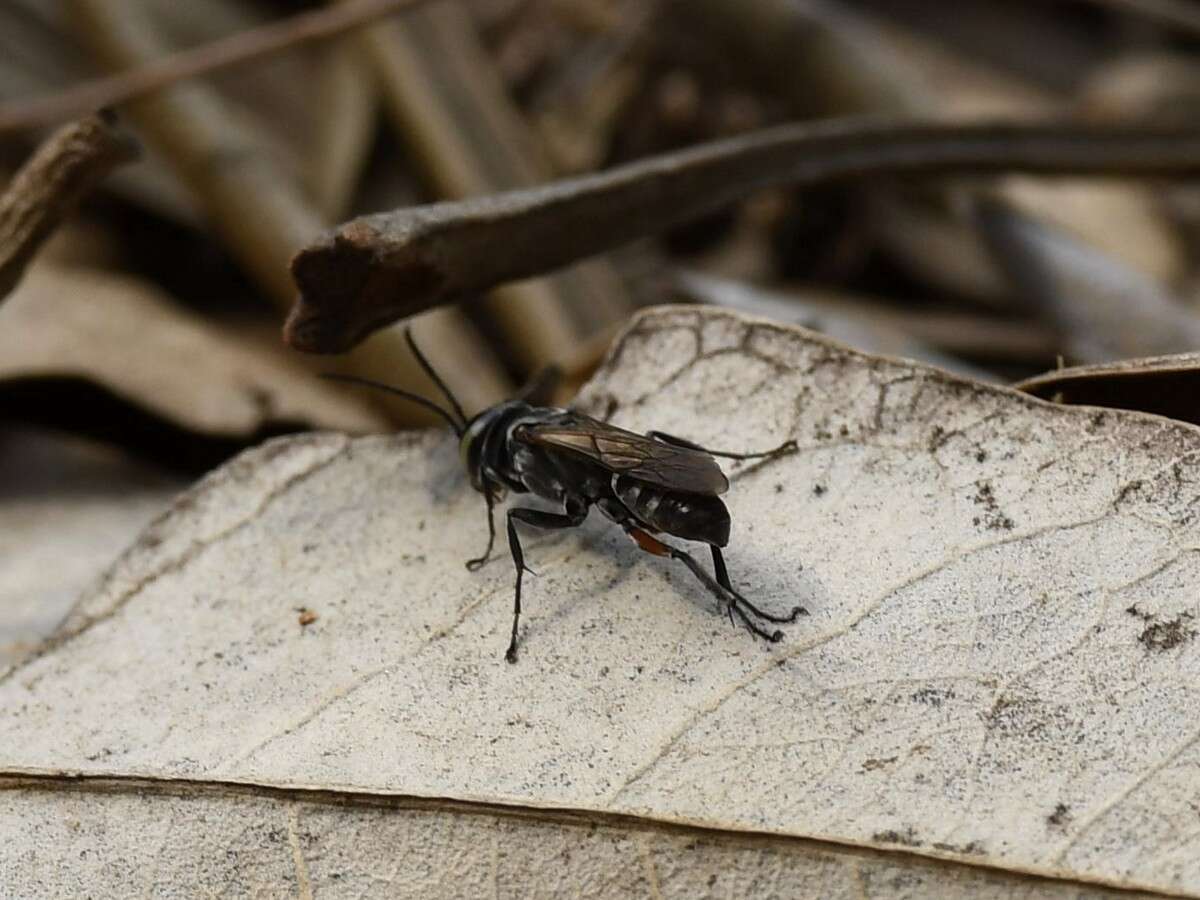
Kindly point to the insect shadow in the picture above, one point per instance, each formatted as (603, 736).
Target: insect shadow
(648, 484)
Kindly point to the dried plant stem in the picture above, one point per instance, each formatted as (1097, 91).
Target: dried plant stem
(346, 91)
(380, 268)
(59, 174)
(220, 157)
(153, 74)
(256, 204)
(444, 92)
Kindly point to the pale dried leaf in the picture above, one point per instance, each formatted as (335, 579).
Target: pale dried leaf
(999, 667)
(67, 510)
(831, 313)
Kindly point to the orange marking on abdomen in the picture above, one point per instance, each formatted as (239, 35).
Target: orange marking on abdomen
(648, 543)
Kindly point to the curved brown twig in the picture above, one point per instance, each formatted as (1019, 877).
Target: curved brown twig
(53, 181)
(377, 269)
(221, 54)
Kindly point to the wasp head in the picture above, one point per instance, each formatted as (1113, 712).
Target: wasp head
(483, 445)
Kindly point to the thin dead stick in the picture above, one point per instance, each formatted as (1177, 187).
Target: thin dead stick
(230, 51)
(376, 269)
(258, 209)
(449, 104)
(59, 174)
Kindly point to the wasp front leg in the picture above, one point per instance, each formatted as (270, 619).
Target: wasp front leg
(473, 565)
(572, 518)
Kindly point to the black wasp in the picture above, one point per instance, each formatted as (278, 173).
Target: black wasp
(648, 484)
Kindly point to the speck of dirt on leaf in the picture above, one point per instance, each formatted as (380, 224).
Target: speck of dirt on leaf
(1131, 488)
(993, 517)
(870, 765)
(1060, 817)
(1164, 636)
(934, 697)
(307, 616)
(905, 838)
(937, 437)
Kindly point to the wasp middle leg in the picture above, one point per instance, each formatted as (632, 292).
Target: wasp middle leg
(665, 438)
(572, 518)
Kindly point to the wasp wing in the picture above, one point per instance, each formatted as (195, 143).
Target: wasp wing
(627, 453)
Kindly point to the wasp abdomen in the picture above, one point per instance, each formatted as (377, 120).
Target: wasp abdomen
(693, 517)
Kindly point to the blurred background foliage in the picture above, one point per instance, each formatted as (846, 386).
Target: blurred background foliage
(997, 278)
(146, 333)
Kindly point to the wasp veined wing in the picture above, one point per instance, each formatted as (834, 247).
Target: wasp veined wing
(665, 465)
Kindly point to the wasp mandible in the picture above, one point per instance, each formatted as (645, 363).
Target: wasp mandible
(648, 484)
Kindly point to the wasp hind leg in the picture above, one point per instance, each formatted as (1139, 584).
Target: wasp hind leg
(723, 580)
(732, 600)
(572, 518)
(664, 438)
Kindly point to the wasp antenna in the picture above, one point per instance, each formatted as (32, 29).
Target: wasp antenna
(407, 395)
(539, 389)
(412, 345)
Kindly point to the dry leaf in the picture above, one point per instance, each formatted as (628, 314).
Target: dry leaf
(999, 667)
(1163, 385)
(67, 510)
(162, 374)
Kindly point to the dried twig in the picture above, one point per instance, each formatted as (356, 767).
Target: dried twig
(380, 268)
(233, 50)
(221, 158)
(468, 138)
(347, 95)
(259, 210)
(62, 171)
